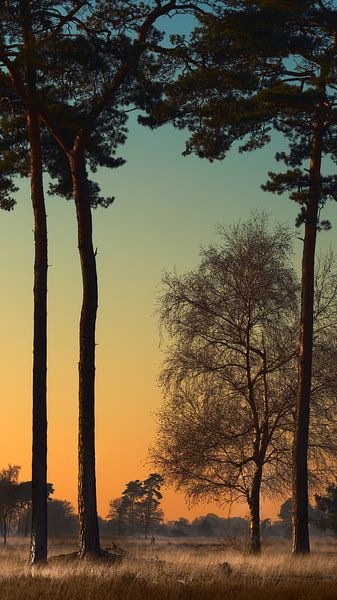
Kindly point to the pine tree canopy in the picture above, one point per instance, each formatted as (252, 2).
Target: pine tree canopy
(254, 68)
(92, 63)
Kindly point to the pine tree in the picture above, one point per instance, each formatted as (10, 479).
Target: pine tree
(130, 496)
(87, 76)
(148, 506)
(19, 22)
(257, 67)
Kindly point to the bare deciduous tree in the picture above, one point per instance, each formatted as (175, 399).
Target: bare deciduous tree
(225, 429)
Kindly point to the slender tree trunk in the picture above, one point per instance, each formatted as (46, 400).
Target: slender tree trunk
(87, 504)
(254, 514)
(300, 525)
(19, 522)
(5, 531)
(28, 511)
(38, 545)
(38, 548)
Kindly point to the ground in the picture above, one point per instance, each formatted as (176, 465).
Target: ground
(187, 569)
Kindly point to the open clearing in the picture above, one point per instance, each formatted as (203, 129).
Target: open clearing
(190, 569)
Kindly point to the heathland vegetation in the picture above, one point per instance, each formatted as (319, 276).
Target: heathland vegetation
(175, 569)
(206, 558)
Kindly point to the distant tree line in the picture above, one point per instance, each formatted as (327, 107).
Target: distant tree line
(137, 512)
(322, 518)
(16, 508)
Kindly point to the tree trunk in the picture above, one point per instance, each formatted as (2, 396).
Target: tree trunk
(19, 522)
(300, 524)
(5, 531)
(38, 547)
(254, 514)
(28, 511)
(87, 504)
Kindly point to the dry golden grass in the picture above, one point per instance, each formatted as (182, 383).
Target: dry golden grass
(178, 570)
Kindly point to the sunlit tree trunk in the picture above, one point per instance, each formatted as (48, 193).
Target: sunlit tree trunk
(87, 504)
(300, 526)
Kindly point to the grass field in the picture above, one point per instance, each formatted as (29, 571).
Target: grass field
(178, 570)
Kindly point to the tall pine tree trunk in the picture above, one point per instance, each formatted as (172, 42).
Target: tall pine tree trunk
(38, 545)
(254, 514)
(300, 523)
(38, 548)
(87, 504)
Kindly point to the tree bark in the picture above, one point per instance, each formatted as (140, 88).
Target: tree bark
(19, 522)
(5, 531)
(254, 514)
(300, 522)
(27, 522)
(87, 504)
(38, 546)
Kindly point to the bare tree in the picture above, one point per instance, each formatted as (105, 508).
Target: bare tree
(323, 416)
(225, 429)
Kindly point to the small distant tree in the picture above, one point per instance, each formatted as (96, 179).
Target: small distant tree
(204, 528)
(131, 495)
(118, 509)
(148, 506)
(179, 528)
(325, 514)
(8, 497)
(285, 516)
(266, 527)
(62, 520)
(24, 506)
(139, 505)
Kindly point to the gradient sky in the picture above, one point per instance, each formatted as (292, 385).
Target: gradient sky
(166, 207)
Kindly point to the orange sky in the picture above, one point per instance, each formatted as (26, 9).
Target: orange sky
(166, 207)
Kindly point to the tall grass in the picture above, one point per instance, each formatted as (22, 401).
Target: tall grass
(183, 570)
